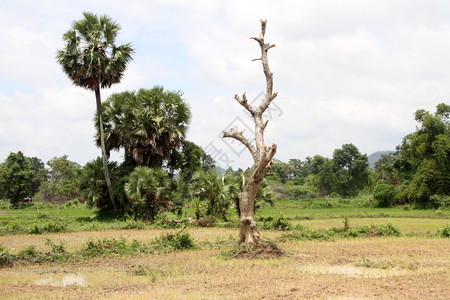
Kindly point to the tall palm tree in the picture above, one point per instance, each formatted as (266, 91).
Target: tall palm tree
(148, 188)
(92, 60)
(150, 124)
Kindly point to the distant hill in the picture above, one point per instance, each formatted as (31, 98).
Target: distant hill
(374, 157)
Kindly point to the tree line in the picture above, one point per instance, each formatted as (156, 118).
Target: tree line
(417, 173)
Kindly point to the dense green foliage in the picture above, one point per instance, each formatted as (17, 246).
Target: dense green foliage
(90, 58)
(150, 124)
(63, 180)
(420, 169)
(17, 177)
(148, 190)
(346, 174)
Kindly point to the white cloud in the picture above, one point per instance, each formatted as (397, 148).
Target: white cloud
(346, 72)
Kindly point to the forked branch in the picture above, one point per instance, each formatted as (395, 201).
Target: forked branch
(232, 133)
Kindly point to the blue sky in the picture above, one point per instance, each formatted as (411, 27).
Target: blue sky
(346, 71)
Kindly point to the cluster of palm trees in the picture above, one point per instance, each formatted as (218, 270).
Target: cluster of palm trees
(149, 124)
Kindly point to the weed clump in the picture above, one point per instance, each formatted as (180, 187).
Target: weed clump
(181, 240)
(279, 223)
(444, 232)
(52, 225)
(6, 259)
(104, 247)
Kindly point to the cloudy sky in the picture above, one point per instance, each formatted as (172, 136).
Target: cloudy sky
(345, 71)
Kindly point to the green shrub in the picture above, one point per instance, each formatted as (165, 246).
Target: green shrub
(181, 240)
(71, 204)
(279, 223)
(104, 247)
(384, 194)
(439, 201)
(52, 225)
(42, 216)
(444, 232)
(58, 250)
(6, 259)
(30, 254)
(14, 227)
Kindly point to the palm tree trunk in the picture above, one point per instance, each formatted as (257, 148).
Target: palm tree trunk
(102, 143)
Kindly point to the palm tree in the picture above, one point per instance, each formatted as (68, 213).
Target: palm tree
(219, 191)
(92, 60)
(149, 124)
(148, 188)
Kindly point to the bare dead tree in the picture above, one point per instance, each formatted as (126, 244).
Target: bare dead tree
(261, 153)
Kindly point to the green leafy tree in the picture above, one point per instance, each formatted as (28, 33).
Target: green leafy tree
(280, 171)
(16, 177)
(351, 170)
(385, 170)
(148, 190)
(149, 124)
(424, 157)
(302, 169)
(324, 178)
(92, 60)
(41, 173)
(62, 181)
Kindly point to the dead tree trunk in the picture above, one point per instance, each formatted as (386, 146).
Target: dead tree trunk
(261, 153)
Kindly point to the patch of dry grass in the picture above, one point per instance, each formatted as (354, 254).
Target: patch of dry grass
(405, 267)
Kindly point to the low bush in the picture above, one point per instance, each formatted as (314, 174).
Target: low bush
(6, 259)
(444, 232)
(70, 204)
(104, 247)
(51, 225)
(279, 223)
(439, 201)
(181, 240)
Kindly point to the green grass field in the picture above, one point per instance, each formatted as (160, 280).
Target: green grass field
(37, 219)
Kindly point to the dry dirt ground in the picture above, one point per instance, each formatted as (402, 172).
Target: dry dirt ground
(365, 268)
